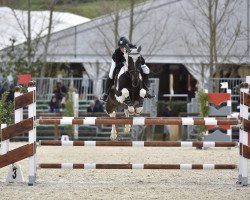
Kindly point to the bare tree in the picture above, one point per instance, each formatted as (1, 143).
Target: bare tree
(51, 6)
(217, 31)
(160, 35)
(22, 58)
(29, 48)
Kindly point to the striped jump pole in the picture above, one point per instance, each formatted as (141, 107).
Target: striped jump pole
(135, 166)
(140, 121)
(137, 143)
(244, 138)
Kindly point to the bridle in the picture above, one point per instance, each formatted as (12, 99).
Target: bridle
(134, 73)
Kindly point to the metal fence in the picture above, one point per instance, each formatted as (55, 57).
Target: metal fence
(46, 87)
(84, 87)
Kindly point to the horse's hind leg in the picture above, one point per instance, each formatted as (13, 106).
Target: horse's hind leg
(113, 135)
(110, 109)
(139, 109)
(127, 126)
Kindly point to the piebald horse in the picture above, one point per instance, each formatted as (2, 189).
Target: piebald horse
(128, 93)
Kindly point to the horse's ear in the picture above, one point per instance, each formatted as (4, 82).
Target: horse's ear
(139, 49)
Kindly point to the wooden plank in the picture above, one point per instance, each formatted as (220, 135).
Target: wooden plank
(246, 99)
(246, 125)
(17, 129)
(24, 100)
(16, 155)
(245, 151)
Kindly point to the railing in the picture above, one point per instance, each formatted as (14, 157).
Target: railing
(46, 87)
(84, 87)
(179, 97)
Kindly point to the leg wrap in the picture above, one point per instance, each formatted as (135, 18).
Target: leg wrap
(141, 102)
(128, 101)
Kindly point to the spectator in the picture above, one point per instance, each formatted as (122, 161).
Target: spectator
(91, 107)
(98, 105)
(61, 94)
(193, 89)
(10, 96)
(63, 88)
(85, 86)
(166, 113)
(1, 90)
(54, 104)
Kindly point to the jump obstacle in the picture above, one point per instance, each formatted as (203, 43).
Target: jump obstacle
(140, 121)
(137, 143)
(29, 125)
(135, 166)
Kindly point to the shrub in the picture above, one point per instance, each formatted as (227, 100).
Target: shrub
(6, 110)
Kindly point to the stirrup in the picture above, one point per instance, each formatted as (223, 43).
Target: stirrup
(104, 97)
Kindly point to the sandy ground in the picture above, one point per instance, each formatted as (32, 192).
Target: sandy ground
(128, 184)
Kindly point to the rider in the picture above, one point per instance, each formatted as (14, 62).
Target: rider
(118, 61)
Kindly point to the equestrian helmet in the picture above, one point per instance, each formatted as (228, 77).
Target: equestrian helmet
(123, 42)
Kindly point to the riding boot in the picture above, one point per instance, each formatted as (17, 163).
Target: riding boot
(109, 84)
(146, 86)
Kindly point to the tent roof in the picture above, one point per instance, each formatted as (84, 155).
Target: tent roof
(14, 22)
(161, 29)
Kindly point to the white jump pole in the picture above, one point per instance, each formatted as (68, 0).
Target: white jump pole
(32, 134)
(75, 97)
(17, 118)
(5, 145)
(243, 139)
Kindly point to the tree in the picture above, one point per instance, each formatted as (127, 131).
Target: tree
(22, 58)
(216, 32)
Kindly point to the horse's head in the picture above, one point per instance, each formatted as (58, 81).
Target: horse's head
(134, 65)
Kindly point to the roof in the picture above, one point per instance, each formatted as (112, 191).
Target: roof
(163, 29)
(14, 22)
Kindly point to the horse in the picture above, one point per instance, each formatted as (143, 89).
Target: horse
(128, 93)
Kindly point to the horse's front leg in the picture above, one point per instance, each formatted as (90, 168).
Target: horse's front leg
(125, 98)
(127, 126)
(139, 109)
(113, 135)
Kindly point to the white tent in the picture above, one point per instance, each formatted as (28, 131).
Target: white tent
(14, 24)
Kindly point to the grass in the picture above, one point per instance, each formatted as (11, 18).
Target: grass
(89, 9)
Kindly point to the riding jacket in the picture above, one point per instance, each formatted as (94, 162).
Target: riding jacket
(118, 61)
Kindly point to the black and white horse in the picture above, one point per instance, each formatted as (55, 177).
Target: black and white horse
(128, 93)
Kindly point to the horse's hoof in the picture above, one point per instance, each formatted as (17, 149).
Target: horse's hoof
(138, 110)
(113, 137)
(131, 109)
(127, 129)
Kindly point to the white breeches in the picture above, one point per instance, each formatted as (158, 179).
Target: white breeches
(111, 70)
(144, 67)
